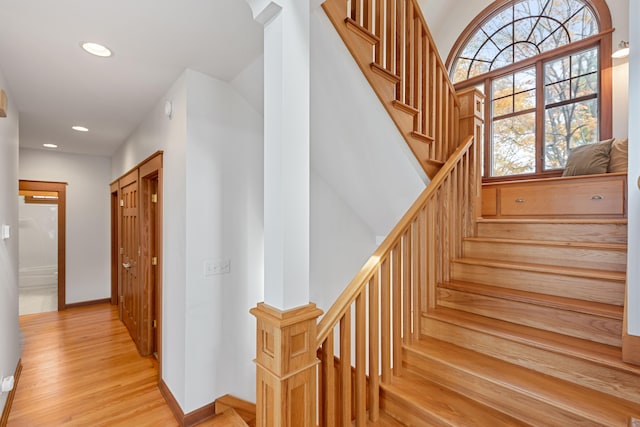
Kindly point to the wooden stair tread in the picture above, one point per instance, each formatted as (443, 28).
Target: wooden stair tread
(437, 404)
(228, 418)
(553, 243)
(553, 220)
(543, 268)
(606, 355)
(562, 303)
(246, 410)
(427, 139)
(361, 31)
(552, 391)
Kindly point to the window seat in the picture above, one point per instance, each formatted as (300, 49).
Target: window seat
(585, 196)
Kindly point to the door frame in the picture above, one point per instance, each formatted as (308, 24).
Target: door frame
(61, 189)
(149, 174)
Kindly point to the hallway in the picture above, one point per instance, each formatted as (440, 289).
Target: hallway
(81, 368)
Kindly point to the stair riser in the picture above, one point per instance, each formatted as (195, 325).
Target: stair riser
(583, 372)
(407, 413)
(596, 290)
(610, 260)
(602, 233)
(519, 405)
(580, 325)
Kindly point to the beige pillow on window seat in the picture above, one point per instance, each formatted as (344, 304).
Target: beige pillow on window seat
(589, 159)
(619, 156)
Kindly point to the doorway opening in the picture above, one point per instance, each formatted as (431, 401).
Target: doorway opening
(42, 246)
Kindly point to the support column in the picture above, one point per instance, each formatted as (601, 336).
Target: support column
(286, 321)
(286, 150)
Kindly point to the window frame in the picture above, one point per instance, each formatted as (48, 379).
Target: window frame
(602, 40)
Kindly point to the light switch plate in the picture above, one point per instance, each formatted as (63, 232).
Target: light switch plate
(6, 231)
(215, 267)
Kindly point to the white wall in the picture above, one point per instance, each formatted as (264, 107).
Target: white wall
(212, 210)
(224, 221)
(447, 19)
(340, 243)
(158, 132)
(9, 331)
(633, 269)
(88, 273)
(355, 146)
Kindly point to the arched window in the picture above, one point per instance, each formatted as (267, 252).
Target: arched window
(545, 69)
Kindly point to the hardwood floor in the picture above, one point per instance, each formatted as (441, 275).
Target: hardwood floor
(81, 368)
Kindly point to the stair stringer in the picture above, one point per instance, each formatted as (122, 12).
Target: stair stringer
(361, 43)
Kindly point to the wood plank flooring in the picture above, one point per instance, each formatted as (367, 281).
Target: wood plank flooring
(81, 368)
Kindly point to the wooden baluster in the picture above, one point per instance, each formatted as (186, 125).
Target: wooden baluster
(361, 361)
(416, 261)
(432, 248)
(446, 237)
(425, 85)
(434, 102)
(453, 223)
(345, 369)
(391, 37)
(417, 66)
(397, 310)
(328, 382)
(440, 115)
(374, 362)
(379, 31)
(406, 286)
(385, 306)
(411, 58)
(400, 49)
(423, 238)
(367, 15)
(445, 109)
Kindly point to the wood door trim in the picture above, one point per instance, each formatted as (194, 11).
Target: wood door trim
(115, 232)
(61, 189)
(144, 173)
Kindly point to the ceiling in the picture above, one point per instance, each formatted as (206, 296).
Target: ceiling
(56, 85)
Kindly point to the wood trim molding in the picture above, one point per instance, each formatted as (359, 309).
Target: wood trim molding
(185, 420)
(7, 406)
(60, 188)
(3, 103)
(90, 302)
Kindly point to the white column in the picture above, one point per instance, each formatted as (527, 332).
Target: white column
(286, 150)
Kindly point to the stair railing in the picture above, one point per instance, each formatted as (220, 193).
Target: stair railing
(380, 310)
(391, 42)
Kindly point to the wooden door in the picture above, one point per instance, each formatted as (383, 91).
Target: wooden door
(130, 292)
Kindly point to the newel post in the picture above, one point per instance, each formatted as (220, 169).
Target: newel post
(286, 366)
(471, 123)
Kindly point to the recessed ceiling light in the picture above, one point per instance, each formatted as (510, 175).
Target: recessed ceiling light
(80, 128)
(50, 145)
(96, 49)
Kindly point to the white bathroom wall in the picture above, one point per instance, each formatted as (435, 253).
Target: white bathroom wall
(88, 273)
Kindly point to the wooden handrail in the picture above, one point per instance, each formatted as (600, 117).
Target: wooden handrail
(348, 296)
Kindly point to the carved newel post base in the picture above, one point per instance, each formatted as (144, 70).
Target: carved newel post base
(286, 366)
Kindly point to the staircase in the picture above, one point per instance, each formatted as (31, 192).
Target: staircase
(491, 321)
(526, 327)
(458, 320)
